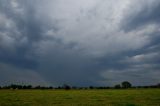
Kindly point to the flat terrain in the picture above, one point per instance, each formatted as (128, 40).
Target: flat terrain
(131, 97)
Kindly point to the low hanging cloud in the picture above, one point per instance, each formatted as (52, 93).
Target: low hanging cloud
(11, 74)
(93, 42)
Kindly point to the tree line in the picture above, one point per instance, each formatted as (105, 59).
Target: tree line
(123, 85)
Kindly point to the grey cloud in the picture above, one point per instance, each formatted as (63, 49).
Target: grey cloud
(143, 13)
(76, 41)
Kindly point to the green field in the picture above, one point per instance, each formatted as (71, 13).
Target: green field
(131, 97)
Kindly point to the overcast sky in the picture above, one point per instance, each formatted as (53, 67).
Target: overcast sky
(79, 42)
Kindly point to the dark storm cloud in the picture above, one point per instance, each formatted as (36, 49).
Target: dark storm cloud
(148, 14)
(17, 28)
(79, 42)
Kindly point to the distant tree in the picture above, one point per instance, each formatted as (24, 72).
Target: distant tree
(19, 86)
(43, 87)
(158, 85)
(74, 87)
(118, 86)
(108, 87)
(66, 87)
(59, 87)
(5, 87)
(100, 87)
(50, 87)
(126, 84)
(24, 87)
(38, 87)
(91, 87)
(29, 87)
(13, 86)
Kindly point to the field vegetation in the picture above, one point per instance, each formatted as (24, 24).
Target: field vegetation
(90, 97)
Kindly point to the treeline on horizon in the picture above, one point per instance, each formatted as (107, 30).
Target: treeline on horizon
(123, 85)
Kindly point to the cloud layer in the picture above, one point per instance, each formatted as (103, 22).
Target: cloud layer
(93, 42)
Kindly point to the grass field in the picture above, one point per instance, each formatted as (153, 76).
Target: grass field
(132, 97)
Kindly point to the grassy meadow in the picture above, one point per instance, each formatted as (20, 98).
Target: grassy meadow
(109, 97)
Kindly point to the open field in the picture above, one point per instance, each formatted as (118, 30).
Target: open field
(131, 97)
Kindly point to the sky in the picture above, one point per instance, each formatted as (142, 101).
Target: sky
(79, 42)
